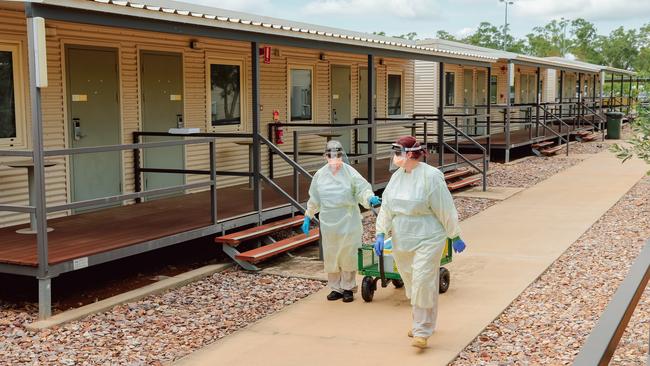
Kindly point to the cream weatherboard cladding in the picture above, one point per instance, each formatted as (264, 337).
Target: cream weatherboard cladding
(230, 156)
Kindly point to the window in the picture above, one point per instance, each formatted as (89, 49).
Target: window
(394, 95)
(450, 79)
(225, 88)
(494, 84)
(8, 125)
(301, 95)
(523, 88)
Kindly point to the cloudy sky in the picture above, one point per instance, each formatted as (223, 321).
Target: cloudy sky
(458, 17)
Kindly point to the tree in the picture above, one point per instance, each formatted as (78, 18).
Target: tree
(445, 35)
(486, 35)
(642, 63)
(410, 36)
(382, 33)
(585, 37)
(639, 143)
(620, 49)
(549, 40)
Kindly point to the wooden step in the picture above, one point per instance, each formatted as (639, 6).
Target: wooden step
(469, 181)
(237, 238)
(462, 172)
(552, 150)
(267, 251)
(583, 133)
(590, 137)
(542, 144)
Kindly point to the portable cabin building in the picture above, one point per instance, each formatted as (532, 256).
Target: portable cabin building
(99, 99)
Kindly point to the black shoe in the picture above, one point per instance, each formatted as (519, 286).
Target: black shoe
(333, 296)
(348, 296)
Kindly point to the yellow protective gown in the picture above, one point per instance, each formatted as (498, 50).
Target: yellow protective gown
(419, 212)
(337, 198)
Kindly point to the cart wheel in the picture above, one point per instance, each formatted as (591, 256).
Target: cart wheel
(398, 283)
(368, 287)
(444, 280)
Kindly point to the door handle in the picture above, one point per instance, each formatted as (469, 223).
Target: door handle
(77, 129)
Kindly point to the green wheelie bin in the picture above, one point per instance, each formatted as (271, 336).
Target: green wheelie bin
(614, 122)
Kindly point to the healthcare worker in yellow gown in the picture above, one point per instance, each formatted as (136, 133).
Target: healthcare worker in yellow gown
(419, 212)
(336, 191)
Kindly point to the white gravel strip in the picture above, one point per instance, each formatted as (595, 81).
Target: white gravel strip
(591, 147)
(548, 323)
(528, 172)
(157, 329)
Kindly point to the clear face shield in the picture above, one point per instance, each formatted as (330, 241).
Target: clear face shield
(400, 155)
(335, 156)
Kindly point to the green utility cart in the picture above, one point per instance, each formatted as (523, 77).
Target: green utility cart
(371, 267)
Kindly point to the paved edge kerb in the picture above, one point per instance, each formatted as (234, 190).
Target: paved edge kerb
(130, 296)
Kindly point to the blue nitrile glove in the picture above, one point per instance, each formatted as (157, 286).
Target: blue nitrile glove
(379, 244)
(305, 225)
(374, 201)
(458, 244)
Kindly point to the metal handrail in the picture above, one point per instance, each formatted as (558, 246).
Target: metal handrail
(18, 208)
(141, 145)
(553, 131)
(286, 195)
(19, 153)
(601, 344)
(285, 157)
(127, 196)
(483, 171)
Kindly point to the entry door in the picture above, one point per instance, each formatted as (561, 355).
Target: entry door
(94, 111)
(481, 98)
(341, 101)
(162, 109)
(363, 104)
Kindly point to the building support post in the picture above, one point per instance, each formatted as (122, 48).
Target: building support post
(622, 82)
(580, 89)
(257, 189)
(489, 114)
(511, 86)
(537, 101)
(629, 96)
(38, 80)
(602, 91)
(611, 93)
(559, 141)
(371, 119)
(441, 114)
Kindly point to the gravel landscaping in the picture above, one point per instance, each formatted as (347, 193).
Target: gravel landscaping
(155, 330)
(591, 147)
(549, 322)
(528, 172)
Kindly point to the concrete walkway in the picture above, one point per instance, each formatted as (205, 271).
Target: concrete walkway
(509, 246)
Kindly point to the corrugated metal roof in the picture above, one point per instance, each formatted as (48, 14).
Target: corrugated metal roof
(612, 70)
(554, 62)
(177, 11)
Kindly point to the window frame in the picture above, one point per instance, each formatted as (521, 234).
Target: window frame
(19, 96)
(312, 69)
(494, 88)
(243, 94)
(401, 93)
(446, 90)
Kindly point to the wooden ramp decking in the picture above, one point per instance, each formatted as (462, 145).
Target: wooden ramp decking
(108, 229)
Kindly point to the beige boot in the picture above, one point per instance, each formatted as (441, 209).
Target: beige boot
(410, 334)
(419, 342)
